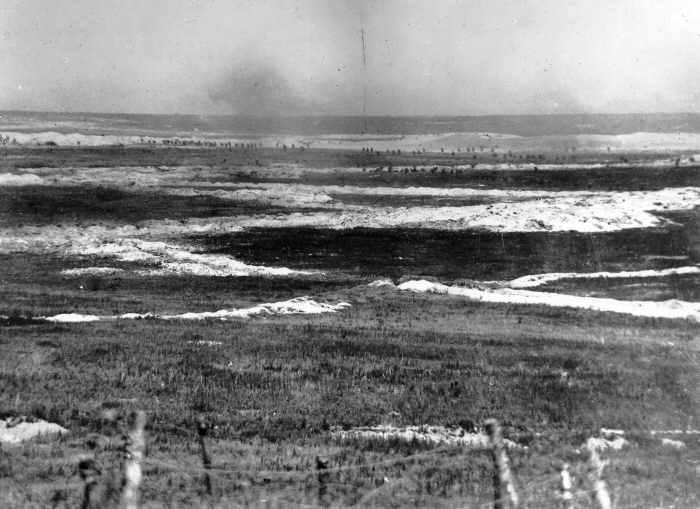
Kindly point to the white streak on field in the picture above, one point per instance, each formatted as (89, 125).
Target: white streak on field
(92, 271)
(72, 318)
(674, 444)
(204, 342)
(663, 309)
(22, 179)
(675, 432)
(535, 280)
(170, 259)
(15, 433)
(299, 305)
(381, 282)
(276, 189)
(296, 306)
(285, 197)
(604, 444)
(434, 435)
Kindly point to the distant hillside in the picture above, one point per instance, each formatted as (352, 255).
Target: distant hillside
(523, 125)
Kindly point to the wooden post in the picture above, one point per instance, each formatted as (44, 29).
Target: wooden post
(600, 489)
(323, 476)
(503, 489)
(202, 429)
(566, 496)
(132, 465)
(90, 476)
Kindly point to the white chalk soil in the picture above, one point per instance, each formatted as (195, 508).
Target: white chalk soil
(656, 309)
(513, 210)
(555, 212)
(535, 280)
(606, 444)
(171, 259)
(204, 342)
(673, 444)
(609, 441)
(71, 318)
(518, 211)
(22, 179)
(296, 306)
(165, 258)
(16, 431)
(92, 271)
(432, 435)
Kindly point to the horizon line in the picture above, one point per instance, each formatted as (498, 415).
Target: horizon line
(358, 116)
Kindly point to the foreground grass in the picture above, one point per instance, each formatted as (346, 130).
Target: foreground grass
(274, 387)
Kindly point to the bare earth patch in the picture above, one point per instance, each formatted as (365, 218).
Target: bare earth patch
(12, 432)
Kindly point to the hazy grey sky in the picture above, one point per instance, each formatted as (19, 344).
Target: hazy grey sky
(304, 56)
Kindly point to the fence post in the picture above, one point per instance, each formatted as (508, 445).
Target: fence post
(566, 496)
(202, 429)
(323, 477)
(600, 489)
(503, 489)
(90, 475)
(132, 465)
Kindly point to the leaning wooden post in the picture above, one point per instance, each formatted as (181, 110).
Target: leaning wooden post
(504, 491)
(132, 466)
(566, 496)
(90, 476)
(600, 489)
(322, 476)
(202, 429)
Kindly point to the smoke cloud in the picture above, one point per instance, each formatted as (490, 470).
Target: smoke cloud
(258, 88)
(289, 57)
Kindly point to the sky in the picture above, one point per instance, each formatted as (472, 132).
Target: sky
(289, 57)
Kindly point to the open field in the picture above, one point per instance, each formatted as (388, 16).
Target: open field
(106, 231)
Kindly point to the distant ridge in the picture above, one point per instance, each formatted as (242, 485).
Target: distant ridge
(522, 125)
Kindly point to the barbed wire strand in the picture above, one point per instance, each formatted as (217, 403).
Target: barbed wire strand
(290, 474)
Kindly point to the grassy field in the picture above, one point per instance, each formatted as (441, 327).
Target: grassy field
(36, 205)
(274, 389)
(475, 254)
(254, 165)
